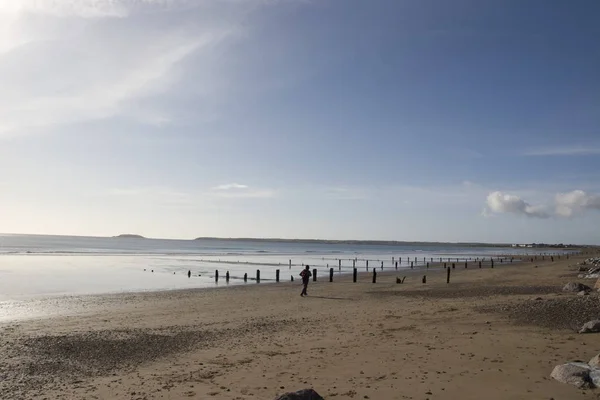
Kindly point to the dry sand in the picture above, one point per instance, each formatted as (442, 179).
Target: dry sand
(483, 336)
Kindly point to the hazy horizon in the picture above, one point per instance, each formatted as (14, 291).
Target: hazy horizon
(412, 120)
(291, 239)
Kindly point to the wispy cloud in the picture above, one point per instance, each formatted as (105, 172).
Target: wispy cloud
(102, 60)
(578, 150)
(162, 195)
(347, 193)
(91, 8)
(229, 186)
(239, 191)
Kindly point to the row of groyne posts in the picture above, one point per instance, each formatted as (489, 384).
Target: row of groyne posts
(398, 263)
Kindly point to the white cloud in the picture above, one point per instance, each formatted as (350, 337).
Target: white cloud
(565, 205)
(229, 186)
(575, 203)
(246, 194)
(499, 203)
(238, 191)
(577, 150)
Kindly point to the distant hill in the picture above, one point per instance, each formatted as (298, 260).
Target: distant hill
(130, 236)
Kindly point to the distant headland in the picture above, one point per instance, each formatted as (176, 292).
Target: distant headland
(129, 236)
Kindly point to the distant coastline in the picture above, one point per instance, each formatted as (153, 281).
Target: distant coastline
(129, 236)
(388, 242)
(331, 241)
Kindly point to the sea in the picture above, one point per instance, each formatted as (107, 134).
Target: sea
(40, 265)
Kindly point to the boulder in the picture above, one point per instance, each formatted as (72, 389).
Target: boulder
(597, 284)
(591, 327)
(305, 394)
(577, 374)
(595, 362)
(595, 377)
(575, 287)
(583, 293)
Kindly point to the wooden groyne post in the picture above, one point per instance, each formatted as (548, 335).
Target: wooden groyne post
(448, 275)
(277, 275)
(227, 276)
(340, 264)
(330, 274)
(246, 277)
(354, 275)
(314, 274)
(396, 265)
(465, 265)
(453, 265)
(217, 276)
(374, 275)
(382, 265)
(257, 275)
(411, 265)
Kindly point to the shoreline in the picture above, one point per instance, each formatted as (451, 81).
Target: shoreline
(65, 304)
(347, 340)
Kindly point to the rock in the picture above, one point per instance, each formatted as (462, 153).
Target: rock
(305, 394)
(595, 377)
(583, 293)
(597, 284)
(575, 287)
(577, 374)
(591, 327)
(595, 362)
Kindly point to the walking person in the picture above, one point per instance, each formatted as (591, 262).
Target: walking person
(305, 274)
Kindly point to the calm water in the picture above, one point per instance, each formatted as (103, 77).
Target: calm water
(34, 266)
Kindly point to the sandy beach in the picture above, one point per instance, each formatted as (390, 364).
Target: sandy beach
(491, 333)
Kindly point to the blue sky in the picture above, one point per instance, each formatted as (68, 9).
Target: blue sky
(407, 120)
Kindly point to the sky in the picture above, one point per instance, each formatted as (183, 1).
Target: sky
(432, 120)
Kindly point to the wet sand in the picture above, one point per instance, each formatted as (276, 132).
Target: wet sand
(492, 333)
